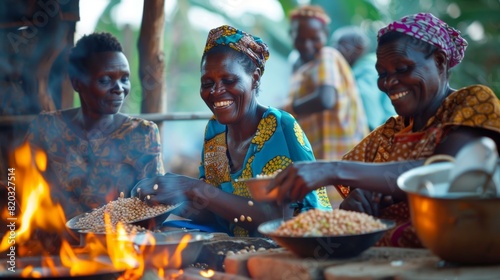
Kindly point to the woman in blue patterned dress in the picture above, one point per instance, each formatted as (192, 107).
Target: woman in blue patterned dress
(242, 140)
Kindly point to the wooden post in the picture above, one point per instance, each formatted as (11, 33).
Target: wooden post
(44, 60)
(152, 57)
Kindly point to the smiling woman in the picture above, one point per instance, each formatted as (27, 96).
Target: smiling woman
(94, 152)
(243, 139)
(414, 57)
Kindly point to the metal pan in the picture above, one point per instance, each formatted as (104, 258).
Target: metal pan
(161, 253)
(148, 223)
(60, 272)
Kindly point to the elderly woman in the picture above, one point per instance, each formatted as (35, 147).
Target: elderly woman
(323, 95)
(242, 140)
(414, 57)
(95, 152)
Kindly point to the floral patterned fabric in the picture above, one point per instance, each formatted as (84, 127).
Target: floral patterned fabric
(278, 142)
(473, 106)
(85, 174)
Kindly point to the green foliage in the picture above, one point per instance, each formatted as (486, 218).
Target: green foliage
(480, 65)
(184, 43)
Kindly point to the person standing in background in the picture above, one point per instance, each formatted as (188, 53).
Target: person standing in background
(353, 43)
(323, 96)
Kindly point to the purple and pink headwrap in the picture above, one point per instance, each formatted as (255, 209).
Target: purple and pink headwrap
(430, 29)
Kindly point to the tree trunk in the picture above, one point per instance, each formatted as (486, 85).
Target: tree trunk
(152, 57)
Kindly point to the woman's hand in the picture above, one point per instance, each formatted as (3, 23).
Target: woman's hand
(366, 202)
(167, 189)
(299, 179)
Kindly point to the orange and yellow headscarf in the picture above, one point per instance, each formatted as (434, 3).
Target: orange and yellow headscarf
(240, 41)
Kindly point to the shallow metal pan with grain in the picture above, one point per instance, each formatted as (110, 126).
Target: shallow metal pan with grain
(148, 223)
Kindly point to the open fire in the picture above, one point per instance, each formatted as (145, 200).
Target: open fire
(39, 226)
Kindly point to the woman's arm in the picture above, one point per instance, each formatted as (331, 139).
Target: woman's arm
(323, 98)
(173, 188)
(231, 207)
(303, 177)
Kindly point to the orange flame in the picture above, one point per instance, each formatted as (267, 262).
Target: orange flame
(161, 257)
(35, 195)
(208, 273)
(115, 252)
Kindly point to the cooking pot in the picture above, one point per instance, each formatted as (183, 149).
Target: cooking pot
(457, 227)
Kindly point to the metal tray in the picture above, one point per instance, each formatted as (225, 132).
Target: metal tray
(148, 223)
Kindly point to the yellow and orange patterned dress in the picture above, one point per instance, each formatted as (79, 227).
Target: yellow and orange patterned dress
(473, 106)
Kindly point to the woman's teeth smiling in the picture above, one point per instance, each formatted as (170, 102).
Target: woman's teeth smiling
(399, 95)
(222, 104)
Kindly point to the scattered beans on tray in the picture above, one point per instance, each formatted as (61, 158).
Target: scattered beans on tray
(317, 222)
(123, 210)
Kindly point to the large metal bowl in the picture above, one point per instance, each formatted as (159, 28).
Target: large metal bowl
(457, 228)
(324, 247)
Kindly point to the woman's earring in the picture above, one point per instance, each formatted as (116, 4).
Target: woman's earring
(256, 84)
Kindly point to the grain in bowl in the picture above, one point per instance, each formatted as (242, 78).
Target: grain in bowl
(337, 222)
(125, 210)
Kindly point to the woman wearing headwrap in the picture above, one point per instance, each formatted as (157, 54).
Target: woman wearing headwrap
(242, 140)
(414, 56)
(323, 95)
